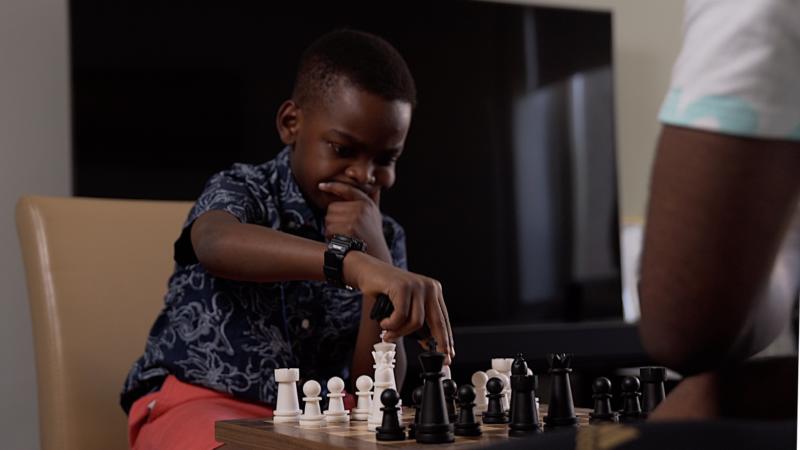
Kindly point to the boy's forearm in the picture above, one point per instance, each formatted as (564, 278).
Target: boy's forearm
(245, 252)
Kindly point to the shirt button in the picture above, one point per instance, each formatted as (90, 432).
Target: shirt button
(305, 324)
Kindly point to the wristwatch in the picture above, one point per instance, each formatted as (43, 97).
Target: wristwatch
(334, 255)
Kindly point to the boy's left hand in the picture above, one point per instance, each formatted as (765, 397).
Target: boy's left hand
(357, 215)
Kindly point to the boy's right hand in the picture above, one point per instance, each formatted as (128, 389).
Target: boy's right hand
(417, 299)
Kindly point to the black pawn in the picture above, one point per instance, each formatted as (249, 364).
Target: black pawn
(433, 427)
(416, 398)
(494, 411)
(561, 409)
(652, 387)
(466, 424)
(601, 393)
(390, 429)
(450, 388)
(631, 408)
(524, 416)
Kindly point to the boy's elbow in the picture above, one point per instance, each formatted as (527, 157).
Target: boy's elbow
(210, 250)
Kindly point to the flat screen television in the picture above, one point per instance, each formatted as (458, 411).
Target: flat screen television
(507, 188)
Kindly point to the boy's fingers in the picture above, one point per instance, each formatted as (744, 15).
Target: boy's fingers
(438, 326)
(416, 315)
(452, 346)
(401, 301)
(343, 190)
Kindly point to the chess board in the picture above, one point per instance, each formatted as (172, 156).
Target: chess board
(261, 434)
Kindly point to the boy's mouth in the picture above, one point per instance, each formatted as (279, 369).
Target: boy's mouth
(368, 189)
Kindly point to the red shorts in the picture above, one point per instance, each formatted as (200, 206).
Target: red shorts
(182, 416)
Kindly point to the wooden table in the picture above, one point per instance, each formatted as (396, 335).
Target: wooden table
(263, 434)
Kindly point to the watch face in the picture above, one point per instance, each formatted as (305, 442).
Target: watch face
(342, 243)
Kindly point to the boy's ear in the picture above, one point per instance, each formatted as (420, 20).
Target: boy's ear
(288, 121)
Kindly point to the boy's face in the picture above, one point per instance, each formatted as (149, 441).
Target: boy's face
(353, 137)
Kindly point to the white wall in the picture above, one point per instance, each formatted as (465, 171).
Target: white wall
(34, 158)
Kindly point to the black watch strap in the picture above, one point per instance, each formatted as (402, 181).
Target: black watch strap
(338, 247)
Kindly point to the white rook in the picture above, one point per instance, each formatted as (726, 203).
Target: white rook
(288, 407)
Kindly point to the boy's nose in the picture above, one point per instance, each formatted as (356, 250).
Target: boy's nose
(361, 173)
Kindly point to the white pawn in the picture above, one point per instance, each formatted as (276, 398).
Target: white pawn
(287, 409)
(492, 373)
(383, 381)
(479, 380)
(336, 412)
(363, 386)
(312, 416)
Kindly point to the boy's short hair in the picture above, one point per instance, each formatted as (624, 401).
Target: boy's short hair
(365, 60)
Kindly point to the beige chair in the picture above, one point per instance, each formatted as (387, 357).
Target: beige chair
(97, 273)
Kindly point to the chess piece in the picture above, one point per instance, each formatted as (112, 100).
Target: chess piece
(601, 393)
(491, 373)
(336, 412)
(383, 355)
(561, 409)
(479, 380)
(652, 379)
(433, 426)
(494, 411)
(287, 408)
(505, 400)
(390, 429)
(503, 366)
(631, 407)
(449, 387)
(466, 424)
(524, 415)
(383, 381)
(416, 398)
(494, 373)
(312, 416)
(364, 395)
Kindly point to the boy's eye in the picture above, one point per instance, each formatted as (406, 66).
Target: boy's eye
(341, 150)
(386, 160)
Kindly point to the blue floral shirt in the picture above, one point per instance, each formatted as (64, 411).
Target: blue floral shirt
(230, 335)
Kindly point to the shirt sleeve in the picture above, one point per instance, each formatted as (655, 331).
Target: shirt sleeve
(737, 72)
(240, 191)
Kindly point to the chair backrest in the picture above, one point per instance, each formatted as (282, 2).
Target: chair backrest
(97, 272)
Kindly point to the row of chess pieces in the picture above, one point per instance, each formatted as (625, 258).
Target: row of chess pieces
(287, 408)
(505, 394)
(640, 395)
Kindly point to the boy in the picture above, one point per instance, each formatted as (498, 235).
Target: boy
(249, 292)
